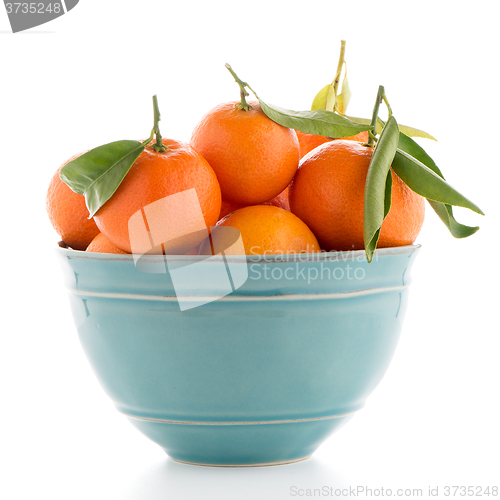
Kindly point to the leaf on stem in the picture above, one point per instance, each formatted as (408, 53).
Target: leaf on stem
(326, 100)
(316, 122)
(444, 211)
(319, 102)
(344, 97)
(415, 132)
(98, 173)
(409, 131)
(428, 183)
(414, 149)
(378, 186)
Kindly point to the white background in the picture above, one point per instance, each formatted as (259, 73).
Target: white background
(87, 78)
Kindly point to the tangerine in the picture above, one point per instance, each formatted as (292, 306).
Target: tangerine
(308, 142)
(327, 193)
(227, 208)
(102, 245)
(254, 158)
(157, 176)
(68, 213)
(280, 201)
(265, 230)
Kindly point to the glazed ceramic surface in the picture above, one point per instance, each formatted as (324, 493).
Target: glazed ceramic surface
(262, 375)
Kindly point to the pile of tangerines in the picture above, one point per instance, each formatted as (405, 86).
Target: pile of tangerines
(284, 190)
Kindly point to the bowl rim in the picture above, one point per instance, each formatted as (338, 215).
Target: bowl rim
(333, 256)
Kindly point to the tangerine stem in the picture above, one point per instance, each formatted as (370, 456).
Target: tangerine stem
(158, 146)
(389, 109)
(243, 105)
(373, 124)
(330, 106)
(149, 139)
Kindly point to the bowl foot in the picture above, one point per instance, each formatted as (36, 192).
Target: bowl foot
(234, 444)
(268, 464)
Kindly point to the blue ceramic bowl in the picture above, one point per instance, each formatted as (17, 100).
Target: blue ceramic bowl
(262, 375)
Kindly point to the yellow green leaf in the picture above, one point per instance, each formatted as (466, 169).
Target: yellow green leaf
(319, 102)
(409, 131)
(330, 99)
(344, 97)
(415, 132)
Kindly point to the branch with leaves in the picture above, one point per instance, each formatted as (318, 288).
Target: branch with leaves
(98, 173)
(394, 149)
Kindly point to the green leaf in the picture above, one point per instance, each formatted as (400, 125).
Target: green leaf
(319, 101)
(409, 146)
(378, 186)
(428, 183)
(316, 122)
(98, 173)
(409, 131)
(444, 211)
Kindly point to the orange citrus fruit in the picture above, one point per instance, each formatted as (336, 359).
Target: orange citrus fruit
(254, 158)
(157, 176)
(280, 201)
(327, 193)
(266, 229)
(308, 142)
(227, 208)
(102, 245)
(68, 213)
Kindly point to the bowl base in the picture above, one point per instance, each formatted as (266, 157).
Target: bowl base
(268, 464)
(245, 444)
